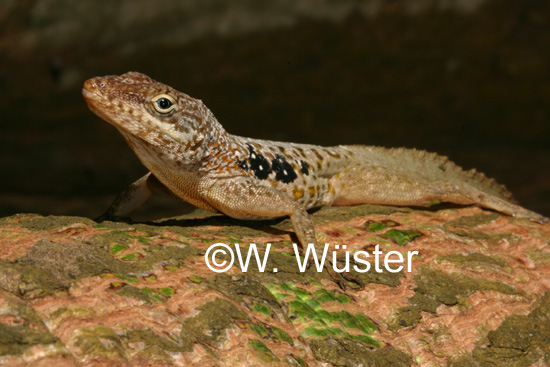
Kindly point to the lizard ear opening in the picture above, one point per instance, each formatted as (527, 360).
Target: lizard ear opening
(164, 104)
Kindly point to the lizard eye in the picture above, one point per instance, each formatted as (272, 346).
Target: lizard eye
(163, 103)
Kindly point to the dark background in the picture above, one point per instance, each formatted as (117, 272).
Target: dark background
(469, 80)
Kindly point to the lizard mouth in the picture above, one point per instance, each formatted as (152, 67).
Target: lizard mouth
(96, 101)
(91, 90)
(88, 94)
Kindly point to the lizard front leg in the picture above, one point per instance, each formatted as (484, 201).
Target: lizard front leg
(132, 197)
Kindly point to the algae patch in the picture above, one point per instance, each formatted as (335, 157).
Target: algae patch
(449, 288)
(343, 352)
(209, 325)
(475, 260)
(16, 339)
(305, 310)
(435, 287)
(520, 341)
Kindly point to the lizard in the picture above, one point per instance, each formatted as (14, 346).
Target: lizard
(190, 155)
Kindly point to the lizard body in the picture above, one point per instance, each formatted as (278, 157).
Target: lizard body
(190, 155)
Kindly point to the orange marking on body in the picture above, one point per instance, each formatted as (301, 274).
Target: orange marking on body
(298, 193)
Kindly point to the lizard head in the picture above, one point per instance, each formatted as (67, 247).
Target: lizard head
(150, 115)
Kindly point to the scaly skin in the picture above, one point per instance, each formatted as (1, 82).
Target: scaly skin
(190, 155)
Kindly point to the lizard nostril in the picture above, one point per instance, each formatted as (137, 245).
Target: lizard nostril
(101, 84)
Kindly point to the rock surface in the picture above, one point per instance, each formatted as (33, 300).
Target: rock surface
(77, 293)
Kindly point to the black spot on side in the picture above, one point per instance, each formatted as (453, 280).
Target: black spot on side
(258, 164)
(283, 170)
(305, 168)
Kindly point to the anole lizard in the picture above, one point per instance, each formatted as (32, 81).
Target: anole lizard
(190, 155)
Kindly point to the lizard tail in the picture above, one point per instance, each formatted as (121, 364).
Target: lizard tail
(430, 167)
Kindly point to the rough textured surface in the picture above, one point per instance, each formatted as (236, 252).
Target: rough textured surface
(73, 292)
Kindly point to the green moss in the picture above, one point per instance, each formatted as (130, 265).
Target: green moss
(143, 240)
(131, 257)
(306, 309)
(50, 267)
(539, 255)
(322, 295)
(29, 281)
(135, 292)
(150, 278)
(16, 339)
(345, 352)
(40, 223)
(129, 278)
(167, 291)
(435, 287)
(261, 308)
(449, 288)
(115, 248)
(266, 331)
(152, 294)
(196, 279)
(117, 285)
(373, 226)
(282, 335)
(473, 220)
(30, 330)
(209, 325)
(293, 360)
(401, 237)
(407, 316)
(262, 351)
(259, 329)
(242, 289)
(26, 315)
(474, 260)
(156, 347)
(100, 341)
(73, 311)
(425, 302)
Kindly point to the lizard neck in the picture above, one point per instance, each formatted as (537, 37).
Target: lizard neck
(203, 142)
